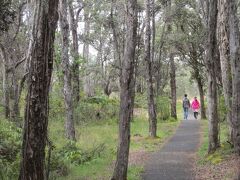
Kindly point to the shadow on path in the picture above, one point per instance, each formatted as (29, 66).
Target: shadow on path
(175, 159)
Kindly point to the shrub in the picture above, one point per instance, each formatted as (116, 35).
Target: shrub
(96, 108)
(171, 119)
(56, 106)
(78, 156)
(140, 101)
(10, 148)
(72, 154)
(58, 167)
(163, 107)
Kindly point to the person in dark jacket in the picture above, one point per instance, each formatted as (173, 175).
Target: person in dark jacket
(186, 106)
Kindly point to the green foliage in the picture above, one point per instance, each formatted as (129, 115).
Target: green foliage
(56, 106)
(96, 108)
(171, 119)
(10, 146)
(140, 133)
(222, 109)
(93, 155)
(10, 140)
(140, 100)
(58, 166)
(79, 156)
(71, 154)
(9, 170)
(163, 108)
(134, 172)
(222, 152)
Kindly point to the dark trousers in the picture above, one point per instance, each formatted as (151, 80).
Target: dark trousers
(195, 115)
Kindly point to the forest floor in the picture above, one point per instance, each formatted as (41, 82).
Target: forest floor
(223, 164)
(175, 160)
(226, 170)
(106, 132)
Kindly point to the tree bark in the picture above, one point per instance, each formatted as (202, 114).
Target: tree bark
(15, 97)
(212, 80)
(202, 101)
(235, 68)
(88, 89)
(153, 30)
(36, 110)
(116, 39)
(147, 57)
(173, 87)
(6, 95)
(121, 165)
(67, 87)
(225, 60)
(75, 54)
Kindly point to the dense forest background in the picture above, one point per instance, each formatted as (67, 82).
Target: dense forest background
(79, 77)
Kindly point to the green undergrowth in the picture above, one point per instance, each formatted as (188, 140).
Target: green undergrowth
(140, 138)
(92, 156)
(105, 134)
(221, 153)
(10, 146)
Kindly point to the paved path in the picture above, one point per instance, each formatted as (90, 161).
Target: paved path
(174, 160)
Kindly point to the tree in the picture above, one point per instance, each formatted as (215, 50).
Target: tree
(235, 69)
(223, 25)
(189, 42)
(67, 87)
(14, 39)
(88, 82)
(36, 110)
(75, 54)
(211, 60)
(148, 60)
(6, 95)
(173, 87)
(121, 165)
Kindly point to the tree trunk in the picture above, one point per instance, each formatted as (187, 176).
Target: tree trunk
(153, 30)
(15, 98)
(140, 33)
(88, 89)
(225, 60)
(121, 165)
(196, 67)
(173, 87)
(75, 54)
(6, 95)
(235, 67)
(67, 87)
(212, 80)
(202, 101)
(132, 87)
(116, 39)
(36, 110)
(147, 57)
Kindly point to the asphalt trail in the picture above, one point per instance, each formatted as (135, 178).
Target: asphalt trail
(175, 159)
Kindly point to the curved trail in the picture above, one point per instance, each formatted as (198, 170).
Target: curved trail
(174, 160)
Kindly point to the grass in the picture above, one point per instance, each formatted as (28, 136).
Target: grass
(94, 133)
(106, 132)
(221, 153)
(215, 164)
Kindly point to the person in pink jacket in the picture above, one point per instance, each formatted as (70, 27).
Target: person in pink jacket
(195, 106)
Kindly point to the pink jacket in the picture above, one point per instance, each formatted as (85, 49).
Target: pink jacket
(195, 104)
